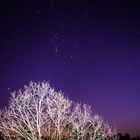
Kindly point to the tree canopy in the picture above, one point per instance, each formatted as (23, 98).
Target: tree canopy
(38, 111)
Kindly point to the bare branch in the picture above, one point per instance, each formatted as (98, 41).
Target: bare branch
(38, 110)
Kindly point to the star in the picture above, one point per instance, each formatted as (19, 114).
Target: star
(71, 56)
(56, 49)
(38, 12)
(8, 88)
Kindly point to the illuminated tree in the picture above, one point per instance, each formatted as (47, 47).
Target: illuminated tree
(39, 111)
(89, 126)
(59, 112)
(81, 120)
(99, 130)
(27, 112)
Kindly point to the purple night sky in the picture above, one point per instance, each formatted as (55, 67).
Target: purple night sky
(89, 49)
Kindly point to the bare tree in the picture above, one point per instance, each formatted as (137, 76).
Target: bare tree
(100, 130)
(86, 126)
(27, 112)
(59, 112)
(81, 120)
(38, 110)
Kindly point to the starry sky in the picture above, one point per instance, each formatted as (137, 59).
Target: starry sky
(89, 49)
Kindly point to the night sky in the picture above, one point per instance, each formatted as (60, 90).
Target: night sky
(89, 49)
